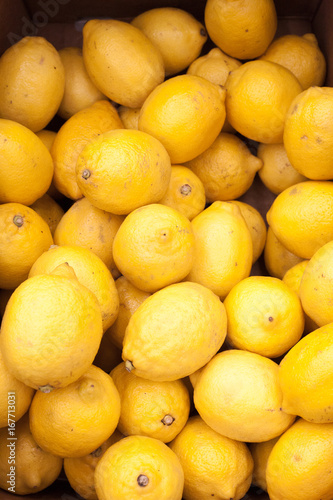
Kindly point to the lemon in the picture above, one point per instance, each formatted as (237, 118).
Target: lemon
(175, 33)
(259, 94)
(238, 395)
(214, 465)
(137, 467)
(308, 133)
(299, 465)
(32, 82)
(121, 61)
(223, 248)
(306, 377)
(185, 193)
(49, 210)
(214, 66)
(260, 453)
(80, 92)
(264, 316)
(154, 247)
(188, 321)
(156, 409)
(256, 226)
(301, 55)
(129, 116)
(122, 170)
(108, 355)
(277, 173)
(75, 420)
(278, 260)
(44, 340)
(71, 139)
(186, 113)
(26, 164)
(241, 29)
(226, 169)
(301, 217)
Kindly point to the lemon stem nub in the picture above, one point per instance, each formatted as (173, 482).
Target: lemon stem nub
(142, 480)
(46, 388)
(86, 173)
(167, 420)
(129, 365)
(18, 220)
(185, 189)
(203, 32)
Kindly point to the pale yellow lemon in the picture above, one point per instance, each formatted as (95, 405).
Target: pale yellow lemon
(80, 92)
(150, 408)
(186, 113)
(238, 395)
(72, 137)
(137, 467)
(214, 66)
(308, 133)
(299, 465)
(259, 95)
(185, 193)
(189, 323)
(121, 61)
(226, 169)
(301, 217)
(223, 248)
(154, 247)
(73, 421)
(32, 82)
(278, 259)
(214, 465)
(176, 33)
(264, 316)
(241, 29)
(122, 170)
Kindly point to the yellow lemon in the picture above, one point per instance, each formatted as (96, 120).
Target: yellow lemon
(226, 169)
(121, 61)
(264, 316)
(176, 33)
(80, 471)
(24, 236)
(214, 66)
(26, 164)
(154, 247)
(308, 133)
(47, 137)
(241, 29)
(223, 248)
(49, 210)
(259, 94)
(80, 92)
(89, 227)
(185, 193)
(24, 467)
(15, 397)
(301, 55)
(316, 286)
(238, 395)
(306, 377)
(156, 409)
(186, 113)
(130, 297)
(129, 116)
(122, 170)
(32, 82)
(278, 260)
(108, 355)
(189, 323)
(260, 453)
(137, 467)
(73, 421)
(301, 217)
(90, 272)
(277, 173)
(299, 465)
(51, 330)
(214, 465)
(256, 225)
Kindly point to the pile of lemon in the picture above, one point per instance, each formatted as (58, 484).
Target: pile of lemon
(141, 353)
